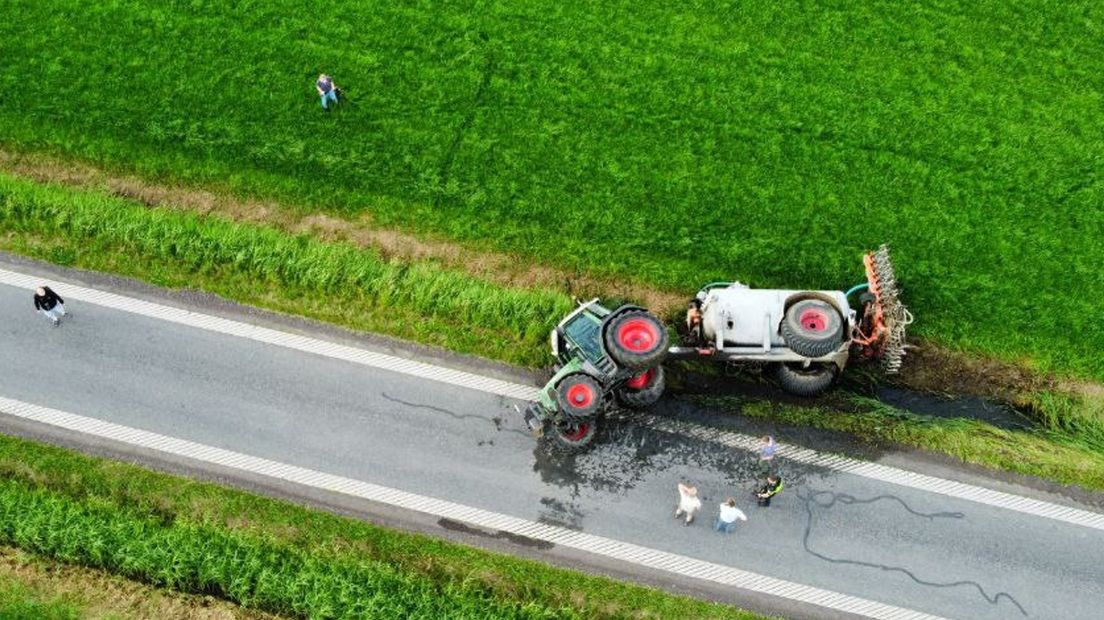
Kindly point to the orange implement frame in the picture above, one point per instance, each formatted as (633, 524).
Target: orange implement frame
(876, 323)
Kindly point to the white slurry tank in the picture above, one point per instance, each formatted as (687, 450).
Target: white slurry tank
(807, 336)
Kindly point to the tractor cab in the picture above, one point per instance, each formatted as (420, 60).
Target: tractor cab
(579, 334)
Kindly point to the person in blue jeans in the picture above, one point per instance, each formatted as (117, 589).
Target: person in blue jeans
(729, 515)
(326, 89)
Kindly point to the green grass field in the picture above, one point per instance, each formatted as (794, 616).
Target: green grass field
(770, 143)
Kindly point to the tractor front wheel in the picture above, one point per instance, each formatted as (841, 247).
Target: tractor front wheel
(799, 380)
(573, 436)
(579, 396)
(636, 340)
(644, 389)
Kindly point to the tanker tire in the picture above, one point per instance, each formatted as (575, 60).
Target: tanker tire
(812, 328)
(636, 340)
(645, 396)
(807, 382)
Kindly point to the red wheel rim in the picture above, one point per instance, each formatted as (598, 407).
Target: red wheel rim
(580, 395)
(642, 380)
(637, 335)
(577, 433)
(814, 320)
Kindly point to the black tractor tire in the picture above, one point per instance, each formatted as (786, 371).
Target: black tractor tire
(798, 380)
(645, 395)
(573, 436)
(636, 340)
(579, 396)
(812, 327)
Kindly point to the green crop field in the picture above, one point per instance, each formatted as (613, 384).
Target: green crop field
(671, 144)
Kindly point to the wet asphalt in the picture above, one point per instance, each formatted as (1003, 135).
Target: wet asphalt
(848, 534)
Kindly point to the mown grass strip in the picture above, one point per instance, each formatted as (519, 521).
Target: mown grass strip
(199, 537)
(17, 602)
(335, 281)
(33, 587)
(670, 144)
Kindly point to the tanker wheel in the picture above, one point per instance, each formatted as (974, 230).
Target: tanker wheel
(798, 380)
(579, 396)
(644, 389)
(572, 436)
(636, 340)
(812, 327)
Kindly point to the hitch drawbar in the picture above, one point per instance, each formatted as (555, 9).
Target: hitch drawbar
(532, 420)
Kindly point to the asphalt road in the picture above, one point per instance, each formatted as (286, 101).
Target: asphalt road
(853, 535)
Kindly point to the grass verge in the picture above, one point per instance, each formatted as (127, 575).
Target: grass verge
(283, 558)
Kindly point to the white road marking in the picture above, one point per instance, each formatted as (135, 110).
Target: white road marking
(598, 545)
(874, 471)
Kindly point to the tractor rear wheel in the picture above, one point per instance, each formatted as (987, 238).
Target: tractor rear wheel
(799, 380)
(572, 436)
(636, 340)
(812, 327)
(643, 389)
(579, 396)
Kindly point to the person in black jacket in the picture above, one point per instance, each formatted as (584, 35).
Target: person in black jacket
(49, 304)
(769, 489)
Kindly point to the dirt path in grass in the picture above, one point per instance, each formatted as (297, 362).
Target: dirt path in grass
(100, 595)
(929, 367)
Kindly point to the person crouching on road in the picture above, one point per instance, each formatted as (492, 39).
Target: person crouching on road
(49, 304)
(689, 504)
(769, 489)
(730, 514)
(326, 89)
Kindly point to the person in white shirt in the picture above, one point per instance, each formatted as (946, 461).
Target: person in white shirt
(730, 514)
(689, 504)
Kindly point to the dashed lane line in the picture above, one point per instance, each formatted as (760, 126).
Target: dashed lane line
(883, 473)
(597, 545)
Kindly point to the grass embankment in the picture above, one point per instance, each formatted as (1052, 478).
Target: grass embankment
(36, 588)
(668, 144)
(334, 282)
(283, 558)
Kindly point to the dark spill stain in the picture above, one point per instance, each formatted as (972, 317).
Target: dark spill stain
(825, 500)
(517, 539)
(563, 514)
(626, 453)
(971, 407)
(496, 421)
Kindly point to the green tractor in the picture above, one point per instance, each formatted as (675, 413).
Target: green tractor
(604, 358)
